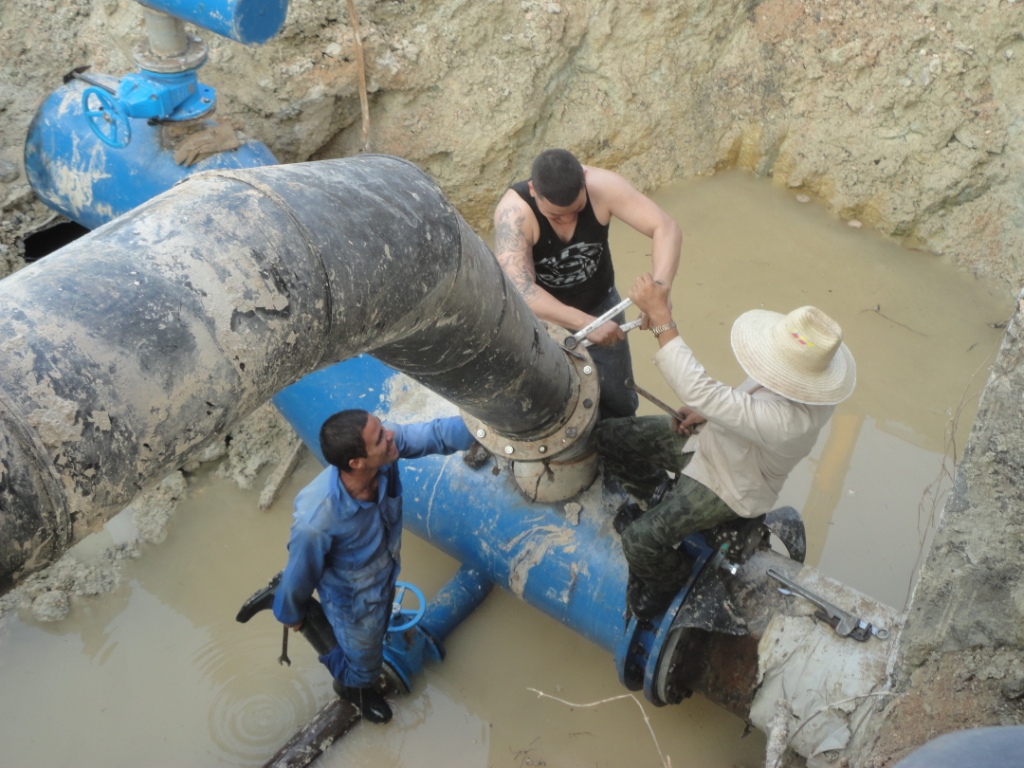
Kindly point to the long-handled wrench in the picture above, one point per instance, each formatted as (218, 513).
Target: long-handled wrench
(626, 328)
(630, 384)
(582, 333)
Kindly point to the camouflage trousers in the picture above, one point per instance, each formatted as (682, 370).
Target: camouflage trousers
(639, 451)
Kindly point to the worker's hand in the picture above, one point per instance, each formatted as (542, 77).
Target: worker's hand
(607, 334)
(652, 298)
(296, 627)
(687, 421)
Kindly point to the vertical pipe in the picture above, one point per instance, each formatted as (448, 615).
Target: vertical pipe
(245, 21)
(166, 34)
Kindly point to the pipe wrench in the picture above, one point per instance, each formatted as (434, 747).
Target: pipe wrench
(845, 624)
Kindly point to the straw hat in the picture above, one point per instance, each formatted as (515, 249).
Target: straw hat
(800, 355)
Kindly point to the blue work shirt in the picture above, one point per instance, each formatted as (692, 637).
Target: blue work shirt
(348, 551)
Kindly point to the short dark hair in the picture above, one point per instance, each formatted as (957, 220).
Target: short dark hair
(557, 176)
(341, 438)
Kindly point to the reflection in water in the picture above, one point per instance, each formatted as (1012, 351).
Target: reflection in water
(252, 712)
(828, 479)
(429, 729)
(158, 673)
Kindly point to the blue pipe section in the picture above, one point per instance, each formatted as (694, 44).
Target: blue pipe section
(245, 21)
(74, 172)
(405, 653)
(574, 572)
(569, 572)
(453, 604)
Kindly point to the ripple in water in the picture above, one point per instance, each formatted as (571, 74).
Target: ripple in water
(254, 709)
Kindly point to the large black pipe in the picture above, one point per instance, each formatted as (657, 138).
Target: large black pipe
(124, 352)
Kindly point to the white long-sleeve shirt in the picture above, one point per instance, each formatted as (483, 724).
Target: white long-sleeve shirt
(753, 438)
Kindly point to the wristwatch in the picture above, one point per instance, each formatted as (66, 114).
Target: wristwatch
(657, 330)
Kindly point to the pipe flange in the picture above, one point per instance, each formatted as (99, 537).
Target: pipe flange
(660, 685)
(567, 434)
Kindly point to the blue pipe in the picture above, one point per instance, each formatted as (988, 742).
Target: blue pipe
(453, 604)
(573, 571)
(91, 181)
(95, 152)
(245, 21)
(406, 652)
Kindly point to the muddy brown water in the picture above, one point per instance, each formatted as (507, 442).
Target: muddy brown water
(158, 673)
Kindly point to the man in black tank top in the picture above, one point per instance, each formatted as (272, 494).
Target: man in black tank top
(551, 239)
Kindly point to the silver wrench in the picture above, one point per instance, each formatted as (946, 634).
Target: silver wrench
(626, 328)
(582, 333)
(845, 624)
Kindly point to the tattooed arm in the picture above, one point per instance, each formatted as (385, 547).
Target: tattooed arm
(515, 232)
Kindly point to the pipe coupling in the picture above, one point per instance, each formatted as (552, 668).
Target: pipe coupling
(568, 432)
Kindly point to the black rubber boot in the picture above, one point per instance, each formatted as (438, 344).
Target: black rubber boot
(647, 604)
(630, 511)
(260, 600)
(316, 629)
(369, 701)
(624, 518)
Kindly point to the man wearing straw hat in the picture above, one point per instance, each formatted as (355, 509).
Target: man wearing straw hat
(799, 369)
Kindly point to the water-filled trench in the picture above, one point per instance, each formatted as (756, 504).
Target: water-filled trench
(158, 673)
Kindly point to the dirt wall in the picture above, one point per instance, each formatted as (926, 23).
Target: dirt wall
(899, 113)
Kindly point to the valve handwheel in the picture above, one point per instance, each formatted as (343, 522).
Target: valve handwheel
(106, 118)
(403, 617)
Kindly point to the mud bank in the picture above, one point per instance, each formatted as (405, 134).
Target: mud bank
(902, 114)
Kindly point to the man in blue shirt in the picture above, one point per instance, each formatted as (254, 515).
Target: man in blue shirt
(345, 542)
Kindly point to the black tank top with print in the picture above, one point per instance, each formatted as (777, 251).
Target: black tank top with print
(580, 272)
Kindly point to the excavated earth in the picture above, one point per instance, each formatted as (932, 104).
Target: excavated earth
(902, 114)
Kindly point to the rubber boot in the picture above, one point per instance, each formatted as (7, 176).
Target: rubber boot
(624, 518)
(369, 701)
(260, 600)
(316, 629)
(630, 511)
(646, 602)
